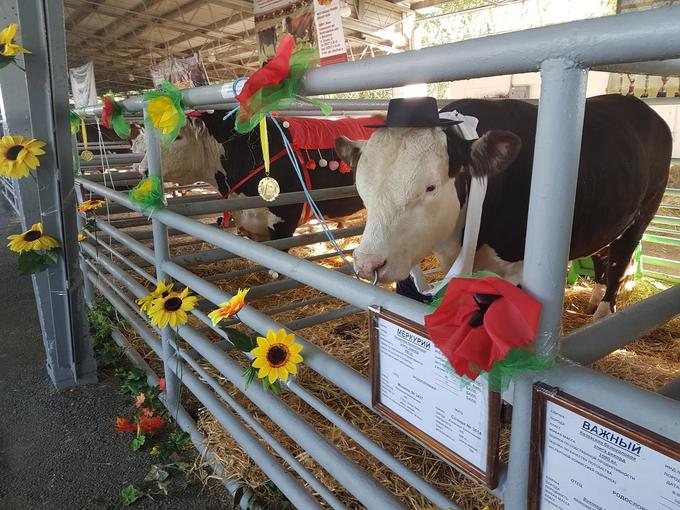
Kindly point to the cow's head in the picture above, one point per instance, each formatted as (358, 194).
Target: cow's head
(194, 156)
(413, 182)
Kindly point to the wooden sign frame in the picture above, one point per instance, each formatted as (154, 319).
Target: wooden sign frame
(489, 477)
(542, 394)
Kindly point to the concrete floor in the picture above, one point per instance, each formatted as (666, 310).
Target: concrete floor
(59, 449)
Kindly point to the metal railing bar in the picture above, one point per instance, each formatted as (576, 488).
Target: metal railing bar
(600, 338)
(313, 320)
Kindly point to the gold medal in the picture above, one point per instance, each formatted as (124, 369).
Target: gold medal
(268, 188)
(86, 155)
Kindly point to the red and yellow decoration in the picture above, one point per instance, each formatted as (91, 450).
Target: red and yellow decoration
(486, 325)
(162, 290)
(276, 356)
(91, 205)
(229, 308)
(165, 111)
(37, 251)
(18, 155)
(172, 309)
(9, 50)
(275, 84)
(112, 116)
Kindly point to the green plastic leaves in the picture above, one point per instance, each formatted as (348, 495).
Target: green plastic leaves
(148, 194)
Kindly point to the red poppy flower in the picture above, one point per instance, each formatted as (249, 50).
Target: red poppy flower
(271, 74)
(107, 110)
(125, 425)
(480, 320)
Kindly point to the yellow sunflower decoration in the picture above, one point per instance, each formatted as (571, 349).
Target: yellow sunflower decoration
(172, 309)
(230, 307)
(162, 290)
(81, 237)
(164, 109)
(34, 239)
(91, 205)
(18, 155)
(7, 46)
(276, 356)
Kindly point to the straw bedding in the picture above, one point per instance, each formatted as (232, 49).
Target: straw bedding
(650, 362)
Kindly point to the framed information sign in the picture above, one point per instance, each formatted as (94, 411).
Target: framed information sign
(584, 457)
(414, 388)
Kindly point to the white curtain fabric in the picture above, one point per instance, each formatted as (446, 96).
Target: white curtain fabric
(83, 85)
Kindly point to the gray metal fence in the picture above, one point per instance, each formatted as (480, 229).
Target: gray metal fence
(562, 53)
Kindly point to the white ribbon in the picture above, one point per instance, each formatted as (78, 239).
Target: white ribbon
(464, 263)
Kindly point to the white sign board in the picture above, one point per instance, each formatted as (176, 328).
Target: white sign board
(414, 387)
(329, 34)
(592, 464)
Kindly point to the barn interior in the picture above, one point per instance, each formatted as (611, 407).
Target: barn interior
(128, 46)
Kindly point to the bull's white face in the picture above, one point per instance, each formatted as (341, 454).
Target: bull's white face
(193, 156)
(403, 177)
(411, 202)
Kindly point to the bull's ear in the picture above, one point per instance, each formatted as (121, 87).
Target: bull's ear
(349, 150)
(494, 152)
(198, 125)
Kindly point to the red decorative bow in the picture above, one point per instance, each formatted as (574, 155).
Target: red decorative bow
(272, 73)
(480, 320)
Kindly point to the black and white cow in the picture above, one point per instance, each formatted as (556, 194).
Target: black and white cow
(413, 183)
(209, 150)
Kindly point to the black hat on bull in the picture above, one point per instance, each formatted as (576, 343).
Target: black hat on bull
(414, 112)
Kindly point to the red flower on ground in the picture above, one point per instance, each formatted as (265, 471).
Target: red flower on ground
(140, 400)
(161, 384)
(151, 425)
(147, 412)
(480, 320)
(125, 425)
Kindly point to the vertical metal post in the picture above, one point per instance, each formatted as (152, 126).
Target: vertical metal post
(162, 254)
(88, 288)
(551, 210)
(39, 109)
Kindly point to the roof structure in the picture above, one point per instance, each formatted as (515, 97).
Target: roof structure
(124, 37)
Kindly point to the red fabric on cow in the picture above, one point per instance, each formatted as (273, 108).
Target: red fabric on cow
(321, 133)
(480, 320)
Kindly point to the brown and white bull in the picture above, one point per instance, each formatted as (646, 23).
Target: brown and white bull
(414, 182)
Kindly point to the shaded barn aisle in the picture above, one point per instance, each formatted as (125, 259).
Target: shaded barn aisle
(58, 449)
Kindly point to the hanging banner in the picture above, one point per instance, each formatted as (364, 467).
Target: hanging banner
(275, 18)
(329, 34)
(183, 72)
(83, 85)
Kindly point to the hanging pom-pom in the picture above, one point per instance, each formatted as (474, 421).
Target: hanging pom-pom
(333, 165)
(310, 165)
(112, 116)
(344, 168)
(148, 194)
(323, 163)
(286, 124)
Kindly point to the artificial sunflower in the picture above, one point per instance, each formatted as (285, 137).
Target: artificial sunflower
(162, 290)
(33, 239)
(91, 205)
(276, 356)
(172, 309)
(164, 114)
(7, 46)
(18, 155)
(81, 237)
(230, 307)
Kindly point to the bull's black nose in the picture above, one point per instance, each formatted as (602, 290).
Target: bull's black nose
(146, 173)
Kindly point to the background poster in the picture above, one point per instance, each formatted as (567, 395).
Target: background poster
(83, 86)
(183, 72)
(330, 37)
(275, 18)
